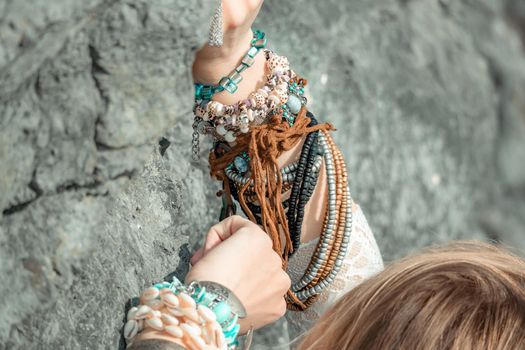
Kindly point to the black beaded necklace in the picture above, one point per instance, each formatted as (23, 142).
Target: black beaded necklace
(303, 186)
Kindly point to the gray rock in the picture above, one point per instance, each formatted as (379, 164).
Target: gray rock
(74, 268)
(79, 117)
(137, 59)
(23, 23)
(105, 80)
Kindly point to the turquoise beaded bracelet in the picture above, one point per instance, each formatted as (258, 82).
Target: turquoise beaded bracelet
(230, 82)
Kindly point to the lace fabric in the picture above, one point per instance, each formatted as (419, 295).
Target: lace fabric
(362, 261)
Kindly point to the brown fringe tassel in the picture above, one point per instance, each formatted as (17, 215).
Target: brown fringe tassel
(264, 144)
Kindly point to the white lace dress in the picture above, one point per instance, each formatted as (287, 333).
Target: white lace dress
(362, 261)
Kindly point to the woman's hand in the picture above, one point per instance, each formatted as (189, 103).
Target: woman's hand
(239, 255)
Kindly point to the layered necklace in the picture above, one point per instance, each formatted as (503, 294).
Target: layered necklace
(249, 136)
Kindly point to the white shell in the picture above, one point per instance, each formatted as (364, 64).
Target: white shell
(155, 323)
(142, 312)
(263, 92)
(249, 113)
(141, 325)
(170, 300)
(175, 331)
(155, 304)
(243, 119)
(215, 108)
(131, 328)
(191, 314)
(186, 328)
(132, 313)
(199, 112)
(150, 293)
(281, 94)
(273, 98)
(221, 340)
(206, 313)
(164, 291)
(175, 312)
(278, 70)
(221, 130)
(229, 137)
(220, 110)
(278, 61)
(186, 301)
(196, 326)
(201, 345)
(169, 320)
(207, 334)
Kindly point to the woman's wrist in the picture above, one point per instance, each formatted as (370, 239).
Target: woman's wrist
(202, 273)
(213, 65)
(213, 62)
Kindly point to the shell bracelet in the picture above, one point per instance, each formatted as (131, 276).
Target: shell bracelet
(202, 315)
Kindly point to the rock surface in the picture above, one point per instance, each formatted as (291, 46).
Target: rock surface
(88, 87)
(428, 98)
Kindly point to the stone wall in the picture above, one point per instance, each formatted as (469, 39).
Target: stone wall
(87, 89)
(98, 194)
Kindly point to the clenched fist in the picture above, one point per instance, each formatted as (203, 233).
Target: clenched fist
(238, 254)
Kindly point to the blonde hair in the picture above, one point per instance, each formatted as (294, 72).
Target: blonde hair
(463, 296)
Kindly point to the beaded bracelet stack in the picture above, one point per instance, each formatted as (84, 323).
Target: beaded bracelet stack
(283, 91)
(283, 95)
(203, 315)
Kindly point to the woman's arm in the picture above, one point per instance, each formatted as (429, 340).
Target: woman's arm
(267, 129)
(243, 261)
(212, 63)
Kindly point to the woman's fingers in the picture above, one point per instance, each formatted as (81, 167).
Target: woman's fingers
(244, 262)
(219, 233)
(197, 256)
(223, 230)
